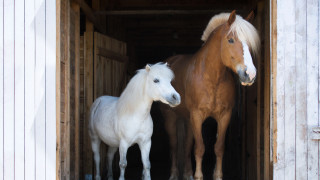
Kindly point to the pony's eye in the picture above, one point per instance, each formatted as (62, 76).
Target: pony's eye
(230, 40)
(156, 80)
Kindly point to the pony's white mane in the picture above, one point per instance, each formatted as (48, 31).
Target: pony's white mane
(136, 87)
(244, 30)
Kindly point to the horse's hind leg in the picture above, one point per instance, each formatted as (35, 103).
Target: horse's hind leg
(145, 151)
(95, 143)
(171, 127)
(223, 123)
(188, 173)
(111, 152)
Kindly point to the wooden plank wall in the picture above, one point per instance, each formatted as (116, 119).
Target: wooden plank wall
(297, 90)
(100, 76)
(27, 95)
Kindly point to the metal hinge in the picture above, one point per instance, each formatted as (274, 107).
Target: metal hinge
(316, 133)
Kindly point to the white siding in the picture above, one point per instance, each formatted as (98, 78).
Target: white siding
(27, 89)
(297, 93)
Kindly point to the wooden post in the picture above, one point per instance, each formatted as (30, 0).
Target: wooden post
(58, 89)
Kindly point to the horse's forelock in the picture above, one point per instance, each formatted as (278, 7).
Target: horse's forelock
(244, 30)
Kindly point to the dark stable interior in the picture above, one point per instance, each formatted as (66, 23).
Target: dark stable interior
(154, 36)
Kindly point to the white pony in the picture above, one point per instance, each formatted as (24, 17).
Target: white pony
(126, 120)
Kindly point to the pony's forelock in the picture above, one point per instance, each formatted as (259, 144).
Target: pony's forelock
(244, 30)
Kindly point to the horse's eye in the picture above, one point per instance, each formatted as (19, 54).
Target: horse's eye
(156, 80)
(231, 41)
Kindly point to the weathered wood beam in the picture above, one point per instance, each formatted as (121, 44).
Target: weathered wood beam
(156, 12)
(90, 14)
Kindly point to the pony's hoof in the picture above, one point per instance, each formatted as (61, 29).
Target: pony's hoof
(110, 178)
(97, 178)
(146, 177)
(218, 178)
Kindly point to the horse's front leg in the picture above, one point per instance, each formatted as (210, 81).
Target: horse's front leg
(145, 151)
(123, 148)
(223, 123)
(196, 119)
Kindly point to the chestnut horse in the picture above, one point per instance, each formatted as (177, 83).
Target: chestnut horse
(207, 87)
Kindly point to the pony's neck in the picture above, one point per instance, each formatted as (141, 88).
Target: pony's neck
(134, 100)
(209, 58)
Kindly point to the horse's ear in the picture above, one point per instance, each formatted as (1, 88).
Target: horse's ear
(148, 67)
(232, 17)
(167, 64)
(250, 16)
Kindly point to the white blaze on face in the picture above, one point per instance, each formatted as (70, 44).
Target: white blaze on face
(251, 70)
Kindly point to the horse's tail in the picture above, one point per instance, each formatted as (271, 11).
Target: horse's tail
(93, 110)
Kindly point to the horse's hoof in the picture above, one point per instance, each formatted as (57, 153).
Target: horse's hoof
(110, 178)
(218, 178)
(173, 177)
(198, 178)
(97, 178)
(187, 177)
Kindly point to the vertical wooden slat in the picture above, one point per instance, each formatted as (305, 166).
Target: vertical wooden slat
(1, 88)
(9, 90)
(289, 90)
(278, 89)
(58, 89)
(266, 93)
(19, 89)
(30, 91)
(76, 9)
(40, 75)
(313, 34)
(301, 91)
(50, 86)
(88, 68)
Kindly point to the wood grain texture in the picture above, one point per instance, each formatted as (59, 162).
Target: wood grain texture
(301, 143)
(313, 34)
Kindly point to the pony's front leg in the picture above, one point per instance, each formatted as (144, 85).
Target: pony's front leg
(196, 119)
(123, 158)
(145, 151)
(223, 123)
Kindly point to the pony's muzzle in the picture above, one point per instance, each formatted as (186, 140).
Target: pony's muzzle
(174, 100)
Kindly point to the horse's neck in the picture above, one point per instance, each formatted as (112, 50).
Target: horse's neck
(208, 60)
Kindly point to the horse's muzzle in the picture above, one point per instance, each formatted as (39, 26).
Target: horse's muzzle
(245, 78)
(174, 100)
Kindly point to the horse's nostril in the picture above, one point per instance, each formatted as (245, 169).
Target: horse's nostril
(174, 97)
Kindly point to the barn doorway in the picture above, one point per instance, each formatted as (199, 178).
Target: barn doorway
(149, 32)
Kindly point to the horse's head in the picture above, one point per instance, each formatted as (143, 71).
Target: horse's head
(238, 37)
(158, 84)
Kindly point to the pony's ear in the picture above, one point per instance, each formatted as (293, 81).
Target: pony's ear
(167, 64)
(232, 17)
(148, 67)
(250, 16)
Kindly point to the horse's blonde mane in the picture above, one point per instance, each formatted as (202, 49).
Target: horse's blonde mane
(244, 30)
(135, 89)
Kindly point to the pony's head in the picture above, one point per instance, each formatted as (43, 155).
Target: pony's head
(158, 84)
(238, 39)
